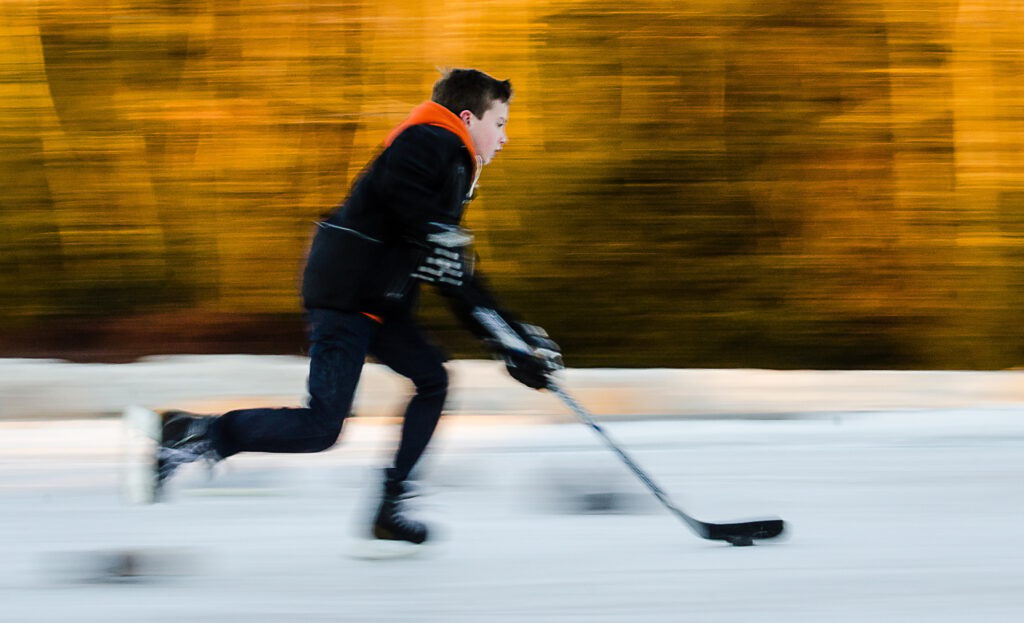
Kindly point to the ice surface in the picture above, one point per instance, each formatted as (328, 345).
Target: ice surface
(894, 517)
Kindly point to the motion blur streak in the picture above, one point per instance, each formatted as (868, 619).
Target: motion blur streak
(700, 183)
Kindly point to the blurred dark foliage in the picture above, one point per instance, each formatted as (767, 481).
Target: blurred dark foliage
(705, 184)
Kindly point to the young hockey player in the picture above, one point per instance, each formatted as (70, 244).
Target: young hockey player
(398, 227)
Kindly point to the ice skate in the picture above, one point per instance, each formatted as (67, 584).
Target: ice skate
(393, 532)
(175, 438)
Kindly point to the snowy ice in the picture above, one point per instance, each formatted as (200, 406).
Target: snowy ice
(894, 516)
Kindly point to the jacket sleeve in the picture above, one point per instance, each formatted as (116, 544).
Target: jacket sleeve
(475, 306)
(412, 181)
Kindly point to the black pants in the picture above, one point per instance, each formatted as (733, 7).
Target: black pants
(340, 343)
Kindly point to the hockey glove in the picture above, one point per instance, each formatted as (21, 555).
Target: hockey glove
(528, 369)
(446, 261)
(545, 357)
(529, 354)
(544, 348)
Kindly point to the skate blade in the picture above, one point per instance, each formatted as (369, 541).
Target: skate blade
(380, 549)
(142, 429)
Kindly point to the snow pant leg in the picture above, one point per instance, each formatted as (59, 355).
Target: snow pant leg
(339, 346)
(402, 347)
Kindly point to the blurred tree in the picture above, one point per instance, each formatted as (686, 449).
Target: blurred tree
(715, 183)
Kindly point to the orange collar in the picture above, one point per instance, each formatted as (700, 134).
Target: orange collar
(432, 113)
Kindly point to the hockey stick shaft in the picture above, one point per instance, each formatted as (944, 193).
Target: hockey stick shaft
(736, 533)
(581, 412)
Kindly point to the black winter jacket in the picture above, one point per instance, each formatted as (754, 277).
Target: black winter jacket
(364, 253)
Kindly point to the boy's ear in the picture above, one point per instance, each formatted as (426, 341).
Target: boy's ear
(465, 116)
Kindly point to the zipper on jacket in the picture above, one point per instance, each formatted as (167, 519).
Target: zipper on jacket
(326, 225)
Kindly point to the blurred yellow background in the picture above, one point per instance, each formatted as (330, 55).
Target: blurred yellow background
(799, 183)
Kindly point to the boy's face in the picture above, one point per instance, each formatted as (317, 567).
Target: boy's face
(488, 132)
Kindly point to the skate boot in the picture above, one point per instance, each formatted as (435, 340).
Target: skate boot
(391, 523)
(183, 439)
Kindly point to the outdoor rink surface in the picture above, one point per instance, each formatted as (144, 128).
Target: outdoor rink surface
(892, 517)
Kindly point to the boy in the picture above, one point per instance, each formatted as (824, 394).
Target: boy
(398, 227)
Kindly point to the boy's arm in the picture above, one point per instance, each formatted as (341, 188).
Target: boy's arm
(529, 354)
(411, 181)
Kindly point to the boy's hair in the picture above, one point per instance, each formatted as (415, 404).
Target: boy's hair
(470, 89)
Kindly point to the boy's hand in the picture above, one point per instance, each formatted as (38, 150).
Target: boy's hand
(544, 348)
(529, 354)
(530, 370)
(446, 261)
(442, 266)
(545, 357)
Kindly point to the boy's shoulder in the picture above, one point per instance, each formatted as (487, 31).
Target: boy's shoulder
(425, 135)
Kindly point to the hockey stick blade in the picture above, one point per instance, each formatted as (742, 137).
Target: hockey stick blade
(743, 532)
(736, 533)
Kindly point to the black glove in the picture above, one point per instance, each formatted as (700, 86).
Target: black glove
(529, 370)
(447, 261)
(545, 356)
(544, 348)
(529, 354)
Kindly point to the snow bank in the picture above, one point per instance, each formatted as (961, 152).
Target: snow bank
(32, 388)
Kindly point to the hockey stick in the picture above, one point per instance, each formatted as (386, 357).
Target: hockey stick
(738, 533)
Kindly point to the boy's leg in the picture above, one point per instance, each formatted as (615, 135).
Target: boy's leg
(402, 347)
(339, 346)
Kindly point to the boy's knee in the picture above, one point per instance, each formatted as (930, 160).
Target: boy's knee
(326, 424)
(327, 439)
(434, 383)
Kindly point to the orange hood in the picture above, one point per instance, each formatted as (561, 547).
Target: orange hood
(432, 113)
